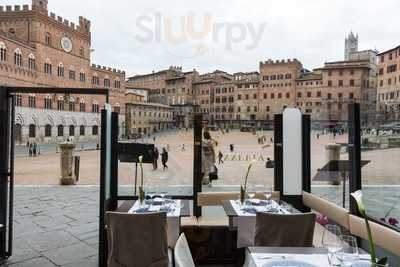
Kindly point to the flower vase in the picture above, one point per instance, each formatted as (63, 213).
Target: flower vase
(141, 197)
(242, 195)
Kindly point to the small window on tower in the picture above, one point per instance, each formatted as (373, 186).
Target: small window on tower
(48, 38)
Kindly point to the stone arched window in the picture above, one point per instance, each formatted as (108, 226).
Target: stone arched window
(60, 70)
(18, 57)
(60, 103)
(32, 61)
(32, 130)
(82, 130)
(47, 38)
(18, 133)
(82, 76)
(60, 130)
(3, 52)
(95, 130)
(95, 79)
(82, 105)
(47, 130)
(71, 104)
(47, 102)
(95, 107)
(48, 67)
(32, 101)
(71, 73)
(71, 130)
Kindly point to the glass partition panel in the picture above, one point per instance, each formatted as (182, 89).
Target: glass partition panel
(329, 138)
(236, 144)
(380, 150)
(170, 130)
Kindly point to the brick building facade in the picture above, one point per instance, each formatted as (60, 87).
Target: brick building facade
(389, 85)
(255, 97)
(38, 48)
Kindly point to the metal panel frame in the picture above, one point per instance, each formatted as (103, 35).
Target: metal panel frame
(7, 115)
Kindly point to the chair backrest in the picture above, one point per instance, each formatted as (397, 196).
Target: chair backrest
(284, 230)
(216, 198)
(138, 240)
(383, 237)
(332, 211)
(182, 255)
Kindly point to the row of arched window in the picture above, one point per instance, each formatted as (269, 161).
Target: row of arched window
(61, 104)
(18, 57)
(60, 130)
(48, 68)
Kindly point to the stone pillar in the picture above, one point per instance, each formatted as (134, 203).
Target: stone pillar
(333, 153)
(66, 164)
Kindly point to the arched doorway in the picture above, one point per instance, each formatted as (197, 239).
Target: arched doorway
(32, 131)
(18, 133)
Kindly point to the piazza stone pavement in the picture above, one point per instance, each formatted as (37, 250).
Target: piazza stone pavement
(58, 226)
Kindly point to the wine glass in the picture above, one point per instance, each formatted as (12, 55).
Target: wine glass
(251, 192)
(332, 242)
(349, 253)
(268, 192)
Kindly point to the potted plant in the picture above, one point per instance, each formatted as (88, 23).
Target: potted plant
(361, 208)
(243, 188)
(141, 188)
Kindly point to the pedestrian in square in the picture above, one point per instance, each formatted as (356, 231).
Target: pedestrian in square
(155, 160)
(164, 158)
(220, 156)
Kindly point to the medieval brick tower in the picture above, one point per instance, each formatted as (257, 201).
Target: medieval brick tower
(40, 5)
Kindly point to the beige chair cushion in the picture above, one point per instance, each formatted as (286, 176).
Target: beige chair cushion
(213, 221)
(332, 211)
(383, 237)
(183, 257)
(189, 221)
(215, 198)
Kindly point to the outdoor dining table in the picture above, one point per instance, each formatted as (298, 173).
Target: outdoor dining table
(283, 256)
(244, 220)
(181, 209)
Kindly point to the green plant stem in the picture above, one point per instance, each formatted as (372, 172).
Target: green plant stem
(141, 174)
(371, 243)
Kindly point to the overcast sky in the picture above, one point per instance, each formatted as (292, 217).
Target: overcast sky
(231, 35)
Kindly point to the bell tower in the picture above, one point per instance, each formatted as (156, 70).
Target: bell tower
(40, 5)
(350, 45)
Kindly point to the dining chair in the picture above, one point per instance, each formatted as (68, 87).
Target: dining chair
(182, 255)
(284, 230)
(137, 240)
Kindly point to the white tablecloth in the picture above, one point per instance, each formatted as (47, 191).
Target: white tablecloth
(261, 259)
(247, 221)
(173, 220)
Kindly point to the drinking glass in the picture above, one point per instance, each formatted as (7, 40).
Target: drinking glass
(268, 192)
(349, 252)
(331, 240)
(251, 192)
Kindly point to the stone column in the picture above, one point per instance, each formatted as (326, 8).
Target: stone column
(333, 153)
(66, 164)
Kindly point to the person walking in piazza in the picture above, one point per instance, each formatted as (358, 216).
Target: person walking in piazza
(208, 157)
(164, 158)
(155, 160)
(220, 156)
